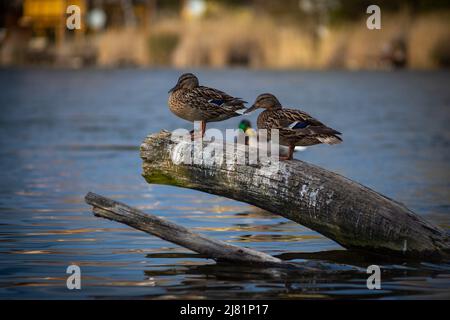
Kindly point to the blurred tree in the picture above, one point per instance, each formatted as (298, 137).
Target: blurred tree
(355, 9)
(341, 9)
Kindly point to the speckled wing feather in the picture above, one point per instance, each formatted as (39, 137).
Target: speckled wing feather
(298, 127)
(286, 117)
(214, 94)
(218, 98)
(217, 104)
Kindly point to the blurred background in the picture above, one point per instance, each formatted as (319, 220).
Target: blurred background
(310, 34)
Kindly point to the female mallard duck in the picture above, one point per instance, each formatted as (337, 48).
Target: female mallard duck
(296, 128)
(192, 102)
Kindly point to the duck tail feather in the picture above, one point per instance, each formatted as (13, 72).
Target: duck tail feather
(331, 139)
(240, 111)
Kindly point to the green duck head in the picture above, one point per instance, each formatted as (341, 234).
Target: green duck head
(244, 125)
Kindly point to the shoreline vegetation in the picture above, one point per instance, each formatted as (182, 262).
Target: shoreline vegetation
(259, 42)
(245, 37)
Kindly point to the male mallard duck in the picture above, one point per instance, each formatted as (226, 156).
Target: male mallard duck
(296, 128)
(245, 127)
(192, 102)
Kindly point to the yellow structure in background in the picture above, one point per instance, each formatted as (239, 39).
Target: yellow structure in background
(51, 14)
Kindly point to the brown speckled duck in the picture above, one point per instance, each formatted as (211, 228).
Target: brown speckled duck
(192, 102)
(296, 128)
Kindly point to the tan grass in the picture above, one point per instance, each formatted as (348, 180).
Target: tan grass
(268, 43)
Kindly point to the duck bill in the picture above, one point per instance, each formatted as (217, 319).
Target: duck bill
(251, 109)
(173, 89)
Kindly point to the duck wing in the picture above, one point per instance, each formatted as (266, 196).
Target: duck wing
(302, 123)
(217, 98)
(296, 125)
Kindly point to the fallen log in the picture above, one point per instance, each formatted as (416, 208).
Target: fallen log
(345, 211)
(210, 248)
(215, 249)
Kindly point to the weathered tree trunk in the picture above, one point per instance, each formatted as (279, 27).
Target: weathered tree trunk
(166, 230)
(350, 214)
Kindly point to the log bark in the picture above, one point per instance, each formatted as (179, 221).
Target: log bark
(345, 211)
(166, 230)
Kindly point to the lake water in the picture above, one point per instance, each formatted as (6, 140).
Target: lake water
(64, 133)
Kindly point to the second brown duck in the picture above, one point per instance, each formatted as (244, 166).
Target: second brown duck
(296, 128)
